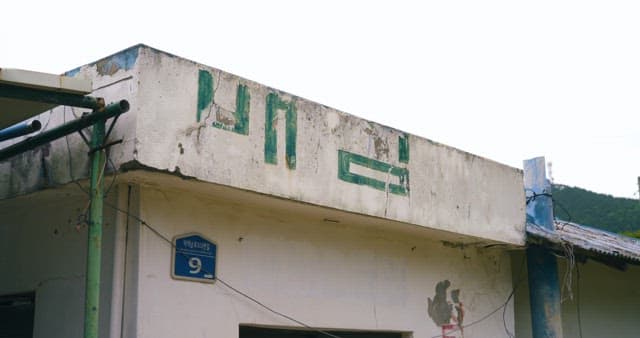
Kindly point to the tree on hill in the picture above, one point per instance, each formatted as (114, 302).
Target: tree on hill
(620, 215)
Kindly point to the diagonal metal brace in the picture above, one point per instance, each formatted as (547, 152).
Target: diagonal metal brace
(108, 112)
(86, 140)
(104, 146)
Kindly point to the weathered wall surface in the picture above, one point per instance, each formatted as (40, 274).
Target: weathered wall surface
(220, 128)
(327, 274)
(57, 163)
(43, 249)
(196, 121)
(608, 303)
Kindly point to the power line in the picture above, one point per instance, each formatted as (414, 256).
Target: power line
(274, 311)
(518, 281)
(170, 242)
(501, 307)
(578, 299)
(266, 307)
(229, 286)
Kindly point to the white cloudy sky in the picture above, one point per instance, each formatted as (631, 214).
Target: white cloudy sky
(507, 80)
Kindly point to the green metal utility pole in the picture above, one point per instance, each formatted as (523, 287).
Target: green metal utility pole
(94, 243)
(97, 118)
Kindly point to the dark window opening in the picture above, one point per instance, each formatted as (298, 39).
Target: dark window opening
(262, 332)
(16, 315)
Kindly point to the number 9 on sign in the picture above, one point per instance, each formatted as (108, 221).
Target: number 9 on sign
(194, 258)
(195, 264)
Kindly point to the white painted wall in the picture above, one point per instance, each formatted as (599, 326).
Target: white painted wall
(447, 189)
(43, 249)
(374, 269)
(609, 301)
(360, 273)
(56, 163)
(344, 275)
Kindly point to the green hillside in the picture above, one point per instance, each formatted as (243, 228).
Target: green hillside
(597, 210)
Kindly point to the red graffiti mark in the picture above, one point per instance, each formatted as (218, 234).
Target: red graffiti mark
(448, 328)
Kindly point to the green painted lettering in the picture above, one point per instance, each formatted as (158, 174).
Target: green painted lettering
(403, 148)
(240, 115)
(239, 123)
(291, 134)
(345, 159)
(205, 92)
(273, 105)
(270, 134)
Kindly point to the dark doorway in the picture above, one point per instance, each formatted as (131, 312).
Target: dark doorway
(16, 315)
(261, 332)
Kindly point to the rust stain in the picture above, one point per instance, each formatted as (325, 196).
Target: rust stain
(225, 119)
(381, 147)
(380, 144)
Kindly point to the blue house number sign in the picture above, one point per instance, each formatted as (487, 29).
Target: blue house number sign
(194, 258)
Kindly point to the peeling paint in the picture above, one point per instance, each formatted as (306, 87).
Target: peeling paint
(381, 147)
(136, 165)
(73, 72)
(124, 60)
(238, 120)
(445, 181)
(380, 143)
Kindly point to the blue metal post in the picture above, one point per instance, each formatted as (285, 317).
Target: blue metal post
(544, 290)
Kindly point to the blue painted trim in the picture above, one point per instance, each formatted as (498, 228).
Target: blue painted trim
(72, 72)
(544, 293)
(540, 210)
(544, 289)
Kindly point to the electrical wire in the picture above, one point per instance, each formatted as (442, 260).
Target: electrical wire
(170, 242)
(274, 311)
(44, 127)
(115, 174)
(266, 307)
(518, 281)
(475, 322)
(568, 274)
(501, 307)
(102, 172)
(556, 202)
(569, 255)
(534, 195)
(578, 299)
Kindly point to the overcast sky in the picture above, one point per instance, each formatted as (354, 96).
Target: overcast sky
(507, 80)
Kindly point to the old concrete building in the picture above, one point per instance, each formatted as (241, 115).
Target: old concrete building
(350, 227)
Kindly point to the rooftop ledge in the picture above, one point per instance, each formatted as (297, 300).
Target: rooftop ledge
(216, 127)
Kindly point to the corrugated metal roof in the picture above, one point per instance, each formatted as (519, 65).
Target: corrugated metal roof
(595, 241)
